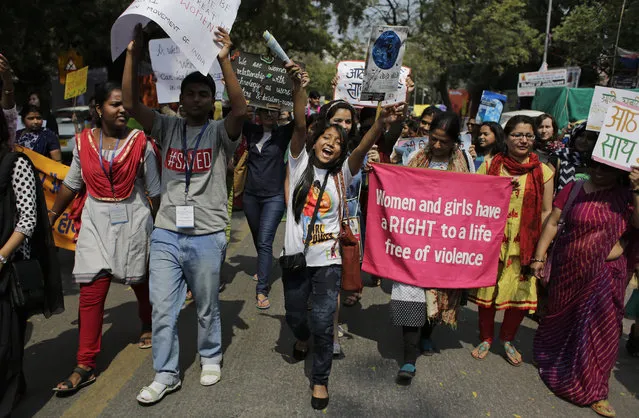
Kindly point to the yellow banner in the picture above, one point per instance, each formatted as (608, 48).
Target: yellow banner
(76, 83)
(51, 174)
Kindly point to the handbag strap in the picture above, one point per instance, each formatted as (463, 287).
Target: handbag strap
(311, 225)
(571, 199)
(341, 188)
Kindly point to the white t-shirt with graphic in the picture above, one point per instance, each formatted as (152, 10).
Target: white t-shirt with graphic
(323, 249)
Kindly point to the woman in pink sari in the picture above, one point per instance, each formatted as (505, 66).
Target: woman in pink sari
(576, 344)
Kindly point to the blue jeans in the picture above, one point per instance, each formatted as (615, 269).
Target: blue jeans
(178, 260)
(322, 284)
(263, 215)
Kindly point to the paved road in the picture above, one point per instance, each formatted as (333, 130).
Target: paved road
(260, 379)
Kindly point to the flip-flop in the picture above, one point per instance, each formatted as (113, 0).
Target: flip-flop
(155, 395)
(144, 343)
(604, 408)
(86, 378)
(483, 347)
(511, 354)
(263, 304)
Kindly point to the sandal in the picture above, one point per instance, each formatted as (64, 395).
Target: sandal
(298, 354)
(632, 346)
(155, 395)
(146, 341)
(263, 303)
(210, 375)
(352, 299)
(406, 373)
(512, 355)
(86, 378)
(604, 408)
(481, 351)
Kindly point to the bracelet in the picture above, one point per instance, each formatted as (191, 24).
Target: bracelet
(3, 260)
(50, 211)
(536, 260)
(8, 91)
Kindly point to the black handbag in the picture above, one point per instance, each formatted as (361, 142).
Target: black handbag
(294, 263)
(27, 285)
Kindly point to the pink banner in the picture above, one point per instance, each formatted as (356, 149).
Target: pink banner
(435, 229)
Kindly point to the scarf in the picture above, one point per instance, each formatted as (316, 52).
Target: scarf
(530, 219)
(457, 163)
(125, 170)
(569, 161)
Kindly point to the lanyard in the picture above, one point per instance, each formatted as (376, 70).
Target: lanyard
(109, 176)
(189, 166)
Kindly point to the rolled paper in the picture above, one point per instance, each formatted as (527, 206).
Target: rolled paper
(275, 47)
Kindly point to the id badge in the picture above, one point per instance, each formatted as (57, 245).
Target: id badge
(118, 215)
(184, 217)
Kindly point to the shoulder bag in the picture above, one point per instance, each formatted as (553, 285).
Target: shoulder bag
(348, 243)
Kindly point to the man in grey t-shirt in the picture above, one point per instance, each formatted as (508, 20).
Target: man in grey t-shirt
(188, 243)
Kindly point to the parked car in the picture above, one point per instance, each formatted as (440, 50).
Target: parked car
(507, 115)
(64, 117)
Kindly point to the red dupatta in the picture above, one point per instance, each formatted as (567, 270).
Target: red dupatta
(530, 221)
(125, 170)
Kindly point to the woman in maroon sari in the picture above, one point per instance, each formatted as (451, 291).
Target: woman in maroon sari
(576, 344)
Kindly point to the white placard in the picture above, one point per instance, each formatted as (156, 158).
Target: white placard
(601, 101)
(170, 66)
(618, 142)
(190, 23)
(384, 58)
(528, 82)
(350, 75)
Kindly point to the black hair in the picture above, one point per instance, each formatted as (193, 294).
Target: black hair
(449, 123)
(314, 94)
(328, 111)
(197, 77)
(542, 118)
(412, 124)
(300, 193)
(516, 120)
(430, 111)
(4, 136)
(500, 139)
(29, 109)
(102, 93)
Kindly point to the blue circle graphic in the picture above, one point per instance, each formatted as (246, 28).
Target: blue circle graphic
(386, 49)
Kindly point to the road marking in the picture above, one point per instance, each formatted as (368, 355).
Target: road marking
(124, 366)
(94, 399)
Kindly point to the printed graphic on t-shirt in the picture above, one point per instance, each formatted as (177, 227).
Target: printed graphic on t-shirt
(319, 233)
(201, 161)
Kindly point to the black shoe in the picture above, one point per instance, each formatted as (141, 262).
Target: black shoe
(406, 374)
(319, 403)
(299, 355)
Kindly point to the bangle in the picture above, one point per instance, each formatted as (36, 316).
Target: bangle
(8, 91)
(3, 260)
(536, 260)
(50, 211)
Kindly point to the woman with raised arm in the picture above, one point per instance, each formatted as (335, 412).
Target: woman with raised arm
(119, 169)
(312, 261)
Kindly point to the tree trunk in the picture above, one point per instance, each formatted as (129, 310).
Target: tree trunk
(442, 89)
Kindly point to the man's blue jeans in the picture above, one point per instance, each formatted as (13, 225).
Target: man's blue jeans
(178, 260)
(263, 215)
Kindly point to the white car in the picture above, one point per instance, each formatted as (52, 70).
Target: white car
(66, 128)
(507, 115)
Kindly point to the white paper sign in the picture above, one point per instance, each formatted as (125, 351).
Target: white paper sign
(383, 62)
(350, 75)
(190, 23)
(528, 82)
(171, 66)
(618, 142)
(601, 101)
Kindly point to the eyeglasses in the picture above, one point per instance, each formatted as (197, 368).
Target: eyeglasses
(529, 137)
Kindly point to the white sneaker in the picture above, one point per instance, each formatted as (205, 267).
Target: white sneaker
(211, 374)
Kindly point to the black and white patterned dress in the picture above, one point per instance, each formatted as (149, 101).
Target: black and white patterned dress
(23, 181)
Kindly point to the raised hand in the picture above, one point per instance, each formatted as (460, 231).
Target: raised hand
(5, 69)
(634, 178)
(223, 40)
(135, 46)
(299, 77)
(392, 113)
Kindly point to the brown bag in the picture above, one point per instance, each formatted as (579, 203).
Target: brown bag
(240, 173)
(349, 245)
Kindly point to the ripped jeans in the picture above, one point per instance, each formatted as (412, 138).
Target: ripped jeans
(321, 285)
